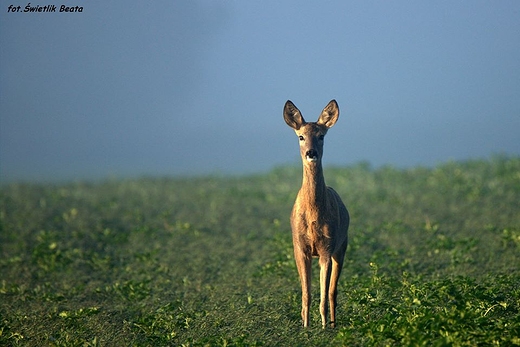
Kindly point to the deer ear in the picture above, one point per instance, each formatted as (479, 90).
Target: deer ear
(292, 116)
(329, 115)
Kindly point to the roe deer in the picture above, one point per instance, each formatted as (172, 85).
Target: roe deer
(319, 219)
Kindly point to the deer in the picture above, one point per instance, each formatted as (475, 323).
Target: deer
(319, 219)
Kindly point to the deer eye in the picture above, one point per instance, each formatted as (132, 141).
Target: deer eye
(301, 138)
(321, 137)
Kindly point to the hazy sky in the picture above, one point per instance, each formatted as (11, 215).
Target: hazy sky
(194, 87)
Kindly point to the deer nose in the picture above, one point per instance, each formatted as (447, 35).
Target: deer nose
(311, 155)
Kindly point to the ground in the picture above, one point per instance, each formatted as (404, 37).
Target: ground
(195, 261)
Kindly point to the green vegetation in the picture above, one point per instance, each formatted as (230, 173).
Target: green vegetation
(433, 260)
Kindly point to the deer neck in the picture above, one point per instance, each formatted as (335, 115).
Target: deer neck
(313, 184)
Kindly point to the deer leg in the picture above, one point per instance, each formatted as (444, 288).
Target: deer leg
(325, 272)
(303, 263)
(337, 265)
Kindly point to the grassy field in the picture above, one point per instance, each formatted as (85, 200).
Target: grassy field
(433, 260)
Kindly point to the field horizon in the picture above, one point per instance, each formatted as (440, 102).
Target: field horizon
(207, 260)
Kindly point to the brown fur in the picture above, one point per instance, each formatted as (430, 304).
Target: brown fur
(319, 219)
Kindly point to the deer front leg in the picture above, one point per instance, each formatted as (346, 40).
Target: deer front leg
(337, 264)
(325, 270)
(303, 263)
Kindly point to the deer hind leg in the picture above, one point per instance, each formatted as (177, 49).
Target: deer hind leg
(337, 264)
(303, 263)
(325, 273)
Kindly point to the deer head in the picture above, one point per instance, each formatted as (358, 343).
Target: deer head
(311, 134)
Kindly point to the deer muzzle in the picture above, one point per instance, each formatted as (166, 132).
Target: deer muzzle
(311, 156)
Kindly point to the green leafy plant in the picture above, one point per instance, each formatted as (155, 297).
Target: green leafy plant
(208, 261)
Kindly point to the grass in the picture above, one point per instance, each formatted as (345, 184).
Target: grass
(433, 260)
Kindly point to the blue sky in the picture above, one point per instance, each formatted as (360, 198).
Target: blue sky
(129, 88)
